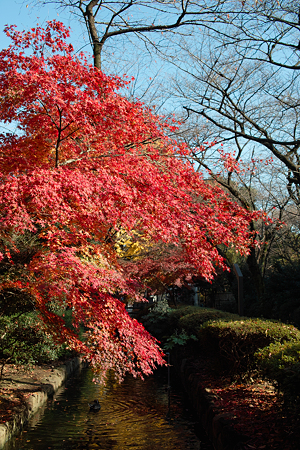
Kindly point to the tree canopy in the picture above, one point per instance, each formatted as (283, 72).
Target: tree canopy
(83, 165)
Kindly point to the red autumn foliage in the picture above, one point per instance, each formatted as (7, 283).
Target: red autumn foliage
(83, 163)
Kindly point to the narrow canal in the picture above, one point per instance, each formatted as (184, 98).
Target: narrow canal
(134, 415)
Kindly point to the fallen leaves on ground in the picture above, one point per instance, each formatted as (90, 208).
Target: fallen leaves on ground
(258, 412)
(13, 395)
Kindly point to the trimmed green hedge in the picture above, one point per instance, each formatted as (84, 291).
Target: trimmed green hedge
(164, 324)
(280, 362)
(237, 341)
(240, 346)
(192, 322)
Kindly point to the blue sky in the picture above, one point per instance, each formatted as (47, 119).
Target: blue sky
(132, 62)
(17, 12)
(23, 14)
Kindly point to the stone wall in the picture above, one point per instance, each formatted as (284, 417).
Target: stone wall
(218, 426)
(47, 387)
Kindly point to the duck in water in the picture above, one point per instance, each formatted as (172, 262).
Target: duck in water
(95, 406)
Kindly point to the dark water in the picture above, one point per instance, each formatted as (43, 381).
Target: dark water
(133, 416)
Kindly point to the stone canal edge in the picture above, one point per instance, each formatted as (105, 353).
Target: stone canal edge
(46, 386)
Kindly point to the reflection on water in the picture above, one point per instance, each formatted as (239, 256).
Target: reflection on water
(132, 416)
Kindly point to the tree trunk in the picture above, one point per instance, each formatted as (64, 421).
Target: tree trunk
(255, 273)
(97, 46)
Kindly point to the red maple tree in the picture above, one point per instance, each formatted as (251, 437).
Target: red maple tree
(82, 164)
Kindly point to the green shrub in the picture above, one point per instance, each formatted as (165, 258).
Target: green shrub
(169, 326)
(239, 346)
(280, 362)
(193, 321)
(162, 323)
(24, 341)
(178, 338)
(157, 323)
(237, 341)
(176, 314)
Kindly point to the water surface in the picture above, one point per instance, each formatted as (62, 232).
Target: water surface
(134, 416)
